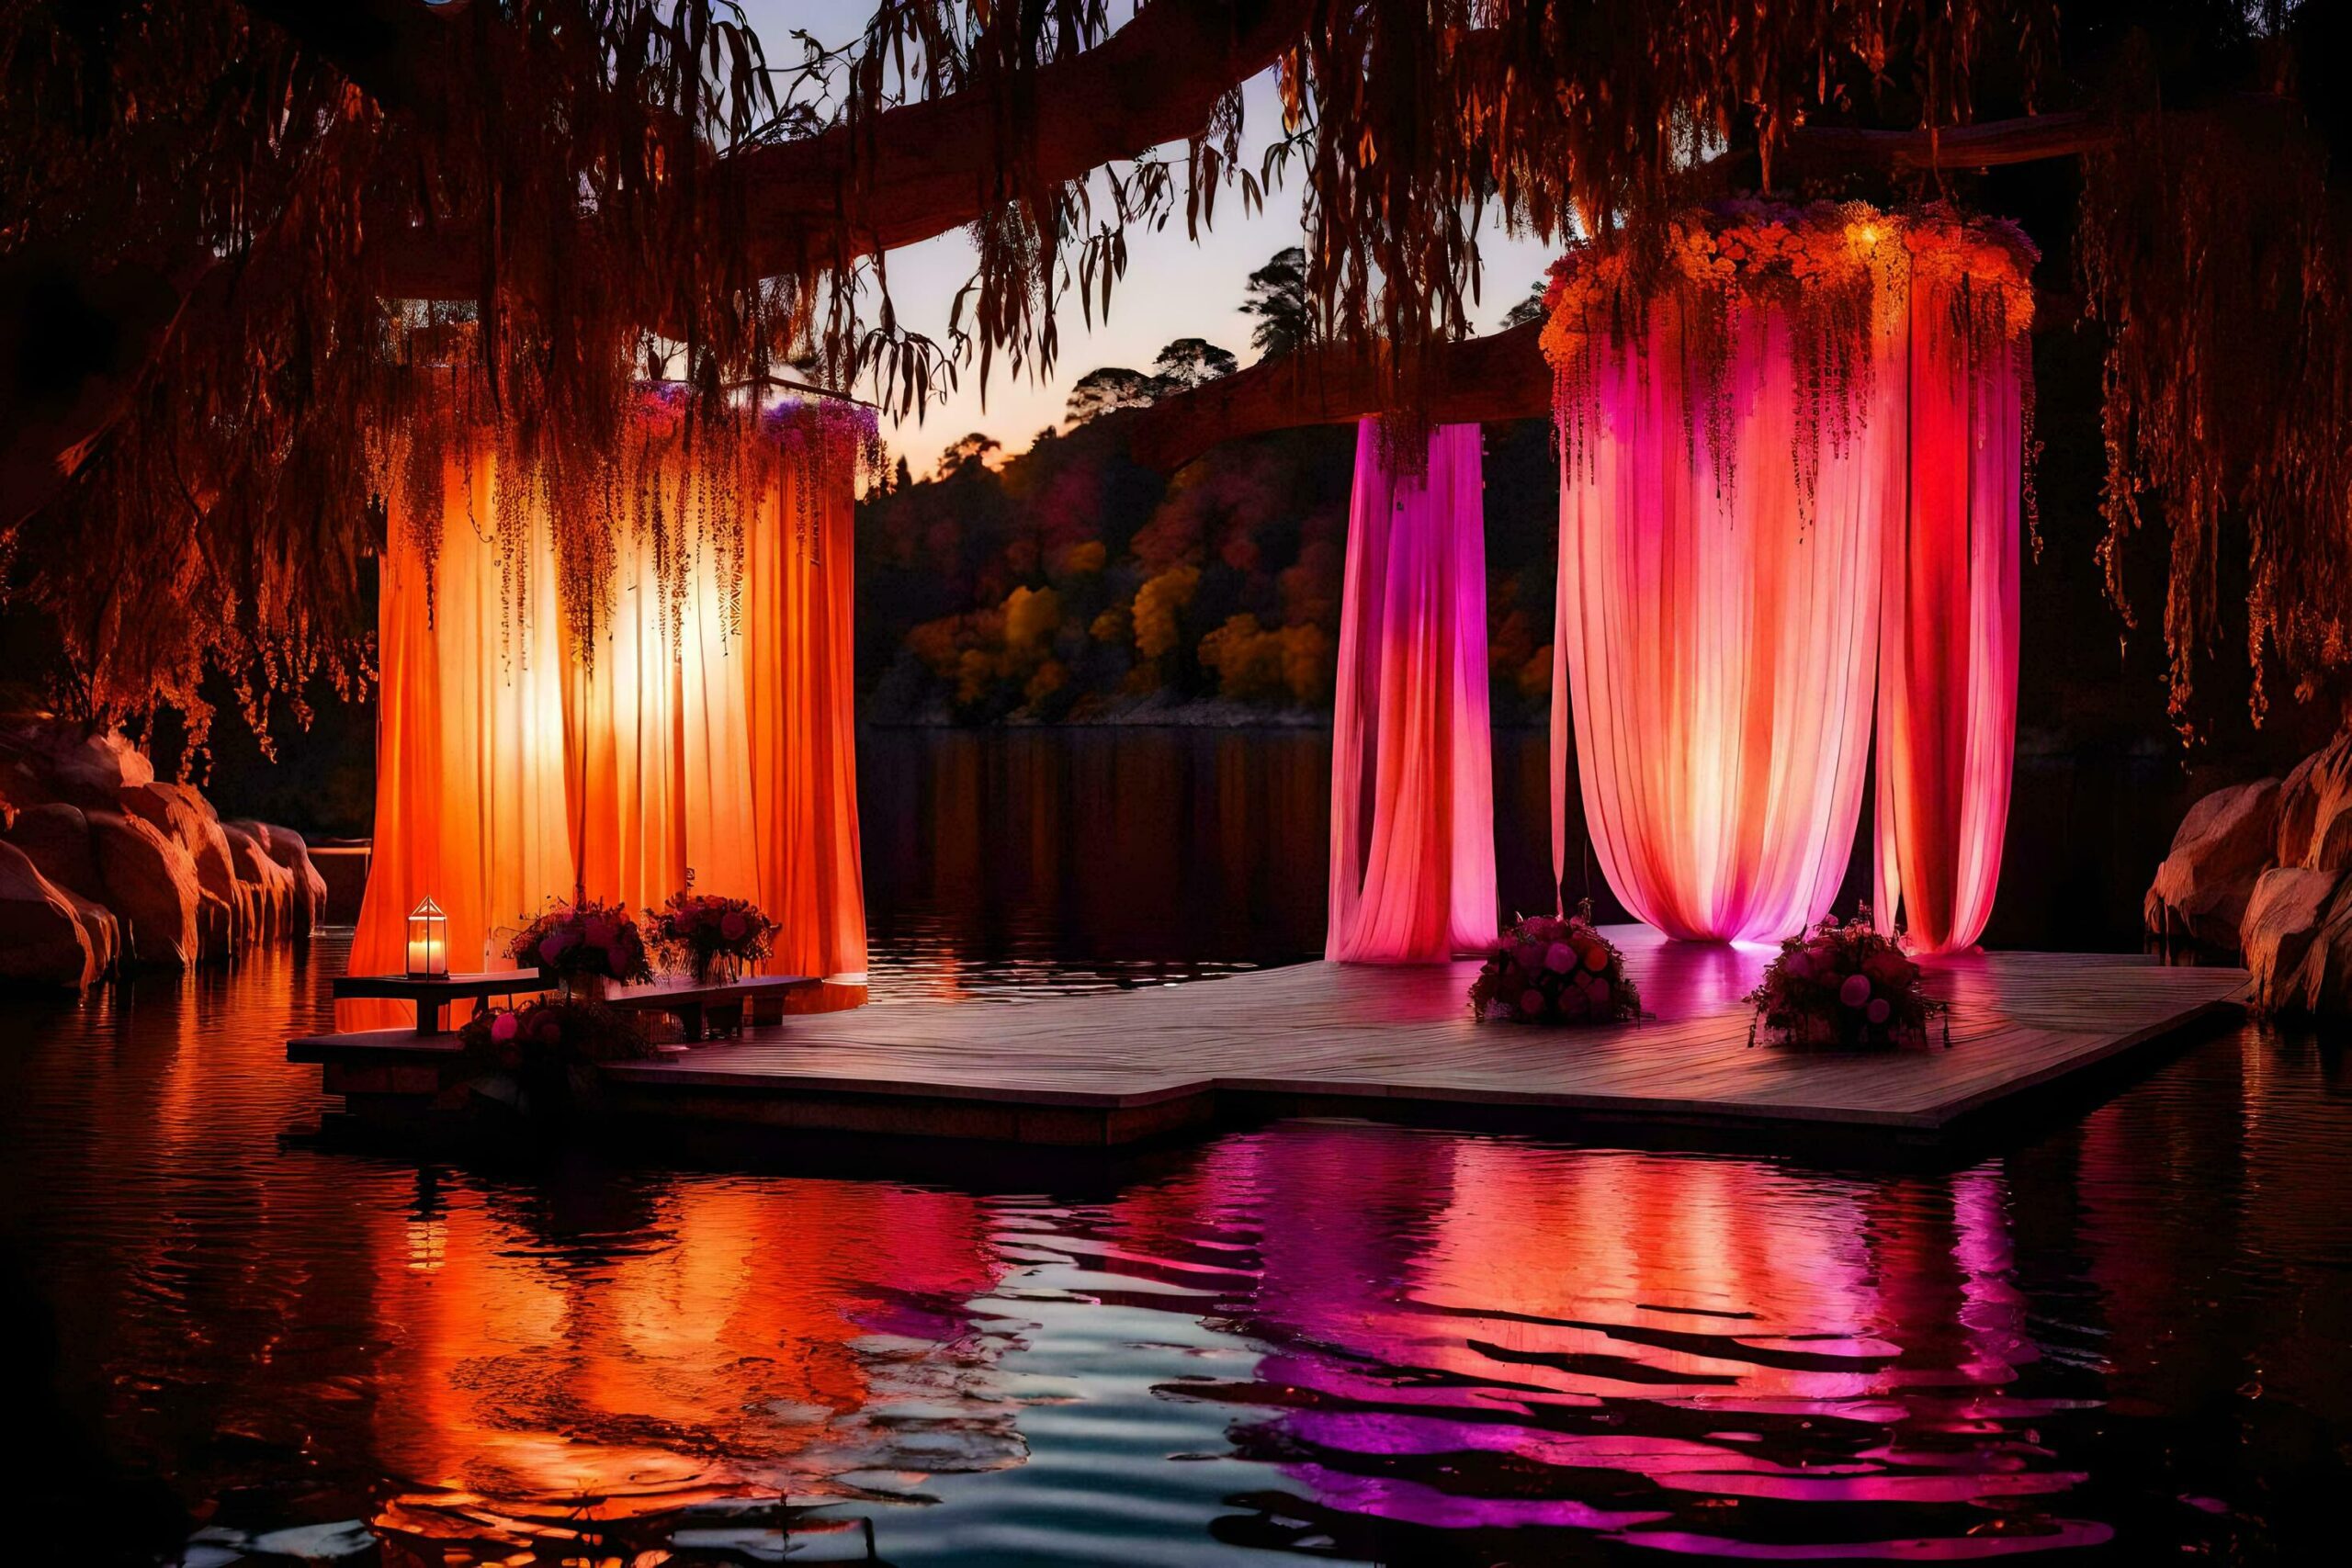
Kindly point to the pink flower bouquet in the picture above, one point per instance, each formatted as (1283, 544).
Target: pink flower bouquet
(585, 939)
(1844, 985)
(555, 1032)
(707, 931)
(1556, 971)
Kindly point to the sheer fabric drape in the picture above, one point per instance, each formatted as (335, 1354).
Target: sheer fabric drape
(1792, 443)
(1948, 661)
(515, 765)
(1412, 794)
(1714, 645)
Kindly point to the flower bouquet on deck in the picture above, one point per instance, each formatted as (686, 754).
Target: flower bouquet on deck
(1555, 970)
(584, 944)
(540, 1058)
(1847, 985)
(714, 938)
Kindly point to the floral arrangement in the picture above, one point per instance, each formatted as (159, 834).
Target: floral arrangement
(1790, 250)
(1555, 970)
(553, 1032)
(708, 931)
(1838, 275)
(584, 939)
(1844, 985)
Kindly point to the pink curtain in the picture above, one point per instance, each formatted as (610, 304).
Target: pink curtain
(1790, 457)
(514, 765)
(1717, 624)
(1412, 796)
(1948, 661)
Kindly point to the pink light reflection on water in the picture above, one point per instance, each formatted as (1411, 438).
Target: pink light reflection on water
(1481, 1332)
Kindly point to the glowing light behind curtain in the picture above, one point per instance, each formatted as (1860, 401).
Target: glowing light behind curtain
(1412, 795)
(1772, 464)
(1713, 647)
(513, 764)
(1948, 661)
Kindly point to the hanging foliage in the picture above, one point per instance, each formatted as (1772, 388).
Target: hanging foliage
(1837, 275)
(1420, 121)
(595, 189)
(543, 202)
(2215, 254)
(674, 488)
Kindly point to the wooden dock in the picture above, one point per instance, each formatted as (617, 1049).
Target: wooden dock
(1397, 1042)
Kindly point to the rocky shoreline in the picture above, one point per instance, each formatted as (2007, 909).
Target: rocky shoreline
(103, 869)
(2265, 869)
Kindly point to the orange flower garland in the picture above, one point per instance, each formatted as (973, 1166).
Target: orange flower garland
(1841, 271)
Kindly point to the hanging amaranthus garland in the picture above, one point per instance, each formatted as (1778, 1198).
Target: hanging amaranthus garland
(677, 484)
(1839, 273)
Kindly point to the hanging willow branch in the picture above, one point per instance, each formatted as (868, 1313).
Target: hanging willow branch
(1420, 119)
(592, 186)
(2216, 257)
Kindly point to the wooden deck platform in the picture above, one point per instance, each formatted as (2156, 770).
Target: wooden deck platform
(1120, 1066)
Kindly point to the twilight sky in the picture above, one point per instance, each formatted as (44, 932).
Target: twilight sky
(1172, 288)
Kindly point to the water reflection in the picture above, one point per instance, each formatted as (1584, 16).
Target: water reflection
(606, 1349)
(1681, 1354)
(1314, 1339)
(1019, 861)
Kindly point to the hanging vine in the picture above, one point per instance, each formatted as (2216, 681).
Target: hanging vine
(2214, 253)
(526, 206)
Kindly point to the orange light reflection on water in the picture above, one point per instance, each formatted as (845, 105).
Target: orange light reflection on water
(674, 1345)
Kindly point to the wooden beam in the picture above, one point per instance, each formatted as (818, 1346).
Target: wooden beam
(1504, 376)
(1477, 381)
(1992, 144)
(402, 53)
(929, 167)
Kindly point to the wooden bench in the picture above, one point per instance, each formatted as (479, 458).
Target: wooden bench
(722, 1004)
(433, 996)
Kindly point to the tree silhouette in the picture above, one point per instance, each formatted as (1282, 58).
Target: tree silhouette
(1103, 391)
(973, 448)
(1189, 361)
(1528, 310)
(1277, 296)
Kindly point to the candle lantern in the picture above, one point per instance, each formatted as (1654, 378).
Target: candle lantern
(428, 942)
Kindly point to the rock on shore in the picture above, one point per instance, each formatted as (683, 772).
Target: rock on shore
(145, 874)
(2262, 869)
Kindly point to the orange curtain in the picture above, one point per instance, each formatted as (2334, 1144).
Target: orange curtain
(517, 763)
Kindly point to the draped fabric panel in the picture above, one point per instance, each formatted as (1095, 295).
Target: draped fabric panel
(1412, 794)
(1716, 634)
(1792, 442)
(515, 765)
(1948, 662)
(471, 791)
(799, 685)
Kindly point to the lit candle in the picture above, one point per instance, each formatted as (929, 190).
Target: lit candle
(428, 942)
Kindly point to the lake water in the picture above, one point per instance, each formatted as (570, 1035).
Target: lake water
(2125, 1335)
(1005, 861)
